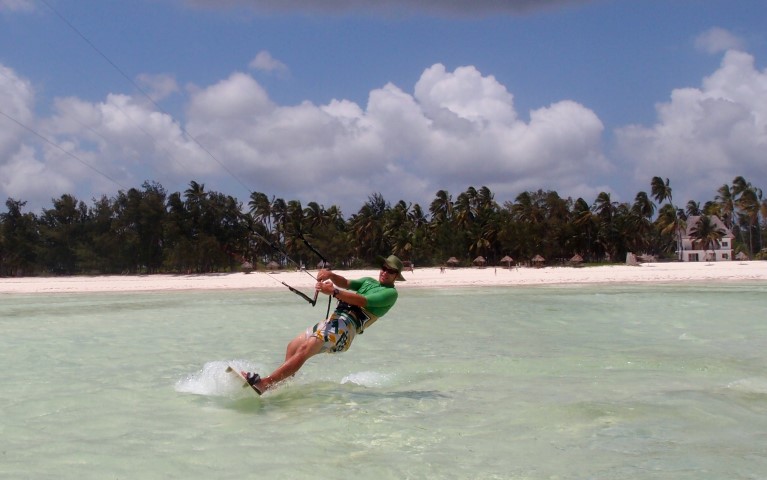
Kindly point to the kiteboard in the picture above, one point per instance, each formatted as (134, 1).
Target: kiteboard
(236, 371)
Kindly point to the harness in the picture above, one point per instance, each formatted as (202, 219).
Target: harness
(356, 314)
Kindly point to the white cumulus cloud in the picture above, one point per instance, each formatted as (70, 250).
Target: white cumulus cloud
(17, 97)
(158, 87)
(263, 61)
(706, 136)
(718, 40)
(456, 129)
(452, 129)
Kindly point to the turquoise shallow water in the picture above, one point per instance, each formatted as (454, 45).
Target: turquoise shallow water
(575, 382)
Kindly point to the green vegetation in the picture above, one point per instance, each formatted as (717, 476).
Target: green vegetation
(148, 230)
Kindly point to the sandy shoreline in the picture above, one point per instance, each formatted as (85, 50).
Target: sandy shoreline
(423, 277)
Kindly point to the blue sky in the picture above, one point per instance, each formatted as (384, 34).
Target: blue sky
(337, 102)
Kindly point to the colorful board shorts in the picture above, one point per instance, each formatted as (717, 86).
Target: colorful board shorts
(336, 333)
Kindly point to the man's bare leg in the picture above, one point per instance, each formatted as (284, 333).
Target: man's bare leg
(293, 345)
(299, 350)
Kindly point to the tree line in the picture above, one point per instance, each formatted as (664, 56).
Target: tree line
(147, 230)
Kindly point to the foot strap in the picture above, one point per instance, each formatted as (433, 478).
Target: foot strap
(253, 379)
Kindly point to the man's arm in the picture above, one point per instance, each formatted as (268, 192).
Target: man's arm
(337, 279)
(327, 283)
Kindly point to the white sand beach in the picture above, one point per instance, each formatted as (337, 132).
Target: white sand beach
(421, 277)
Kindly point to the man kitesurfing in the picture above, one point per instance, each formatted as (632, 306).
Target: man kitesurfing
(360, 303)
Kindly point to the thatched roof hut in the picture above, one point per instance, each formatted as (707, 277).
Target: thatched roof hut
(507, 260)
(272, 265)
(538, 261)
(452, 262)
(576, 259)
(479, 261)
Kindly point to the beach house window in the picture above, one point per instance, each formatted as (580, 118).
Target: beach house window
(724, 243)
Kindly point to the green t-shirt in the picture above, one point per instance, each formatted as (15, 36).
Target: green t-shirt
(380, 298)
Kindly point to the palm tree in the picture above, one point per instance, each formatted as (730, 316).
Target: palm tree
(643, 207)
(294, 220)
(661, 191)
(417, 218)
(605, 210)
(465, 211)
(397, 231)
(724, 198)
(442, 235)
(747, 199)
(639, 219)
(712, 208)
(604, 207)
(315, 215)
(195, 194)
(707, 233)
(441, 208)
(261, 208)
(367, 228)
(194, 198)
(585, 222)
(524, 209)
(475, 212)
(693, 209)
(539, 216)
(333, 241)
(335, 215)
(279, 218)
(485, 196)
(18, 240)
(417, 224)
(671, 223)
(555, 228)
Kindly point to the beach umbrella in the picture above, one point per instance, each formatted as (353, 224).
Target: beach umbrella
(507, 260)
(247, 267)
(479, 261)
(452, 261)
(538, 260)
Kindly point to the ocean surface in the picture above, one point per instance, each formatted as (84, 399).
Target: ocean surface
(548, 382)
